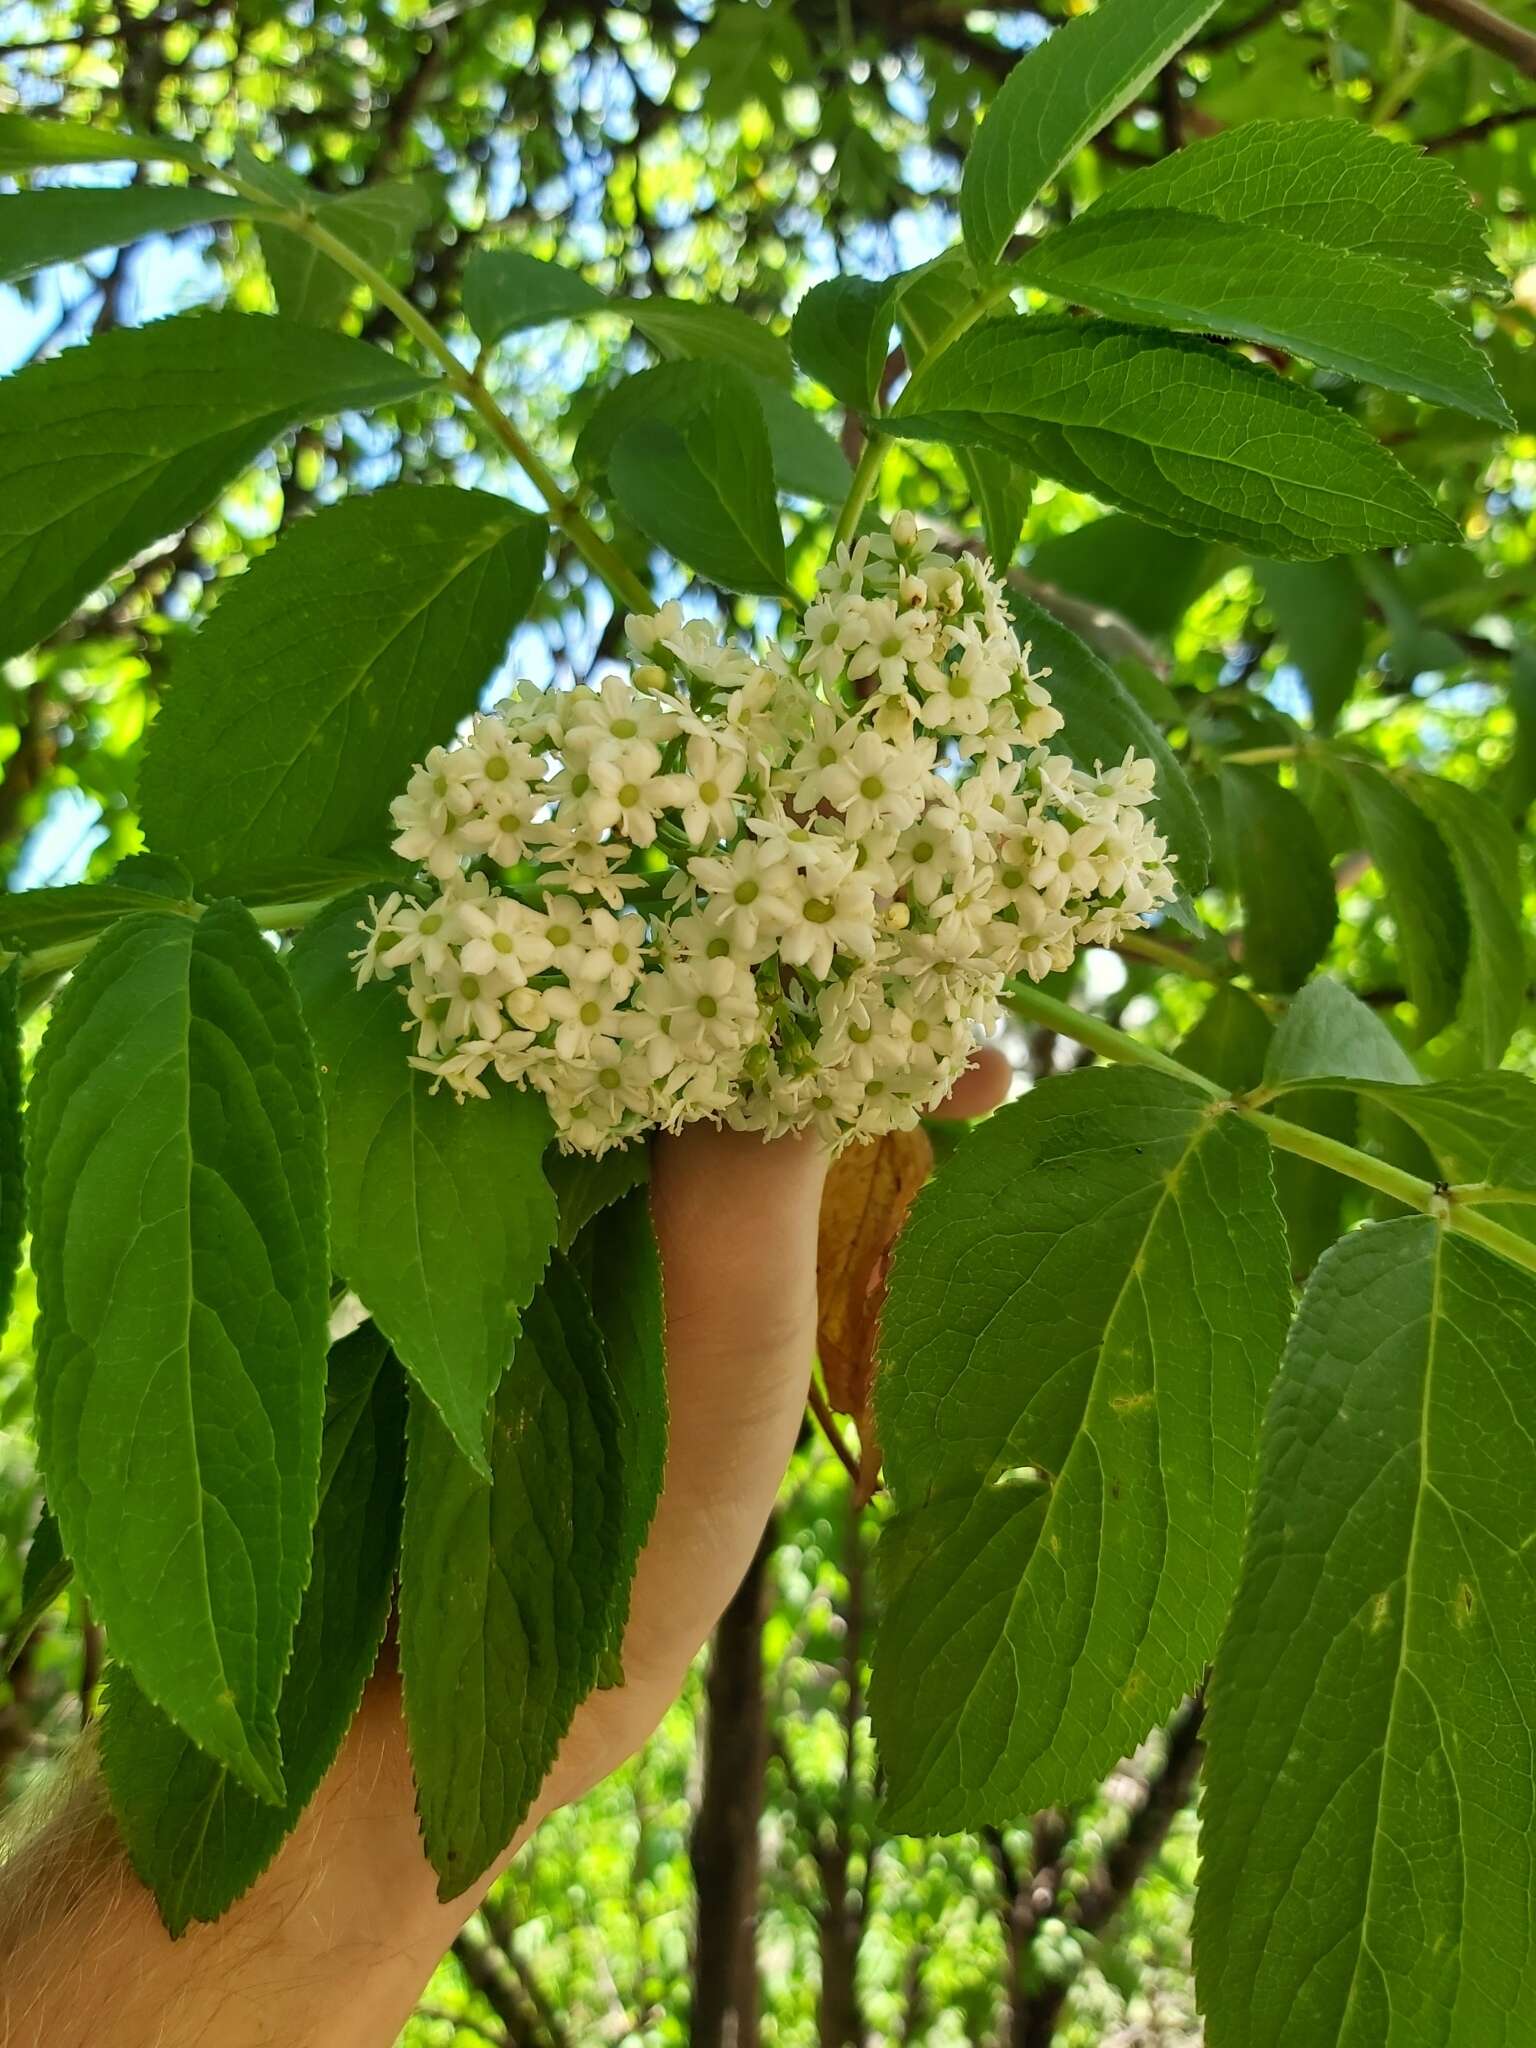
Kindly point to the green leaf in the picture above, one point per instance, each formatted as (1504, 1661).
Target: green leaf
(508, 1590)
(140, 431)
(1102, 720)
(697, 478)
(1327, 1033)
(617, 1257)
(13, 1180)
(44, 1577)
(1333, 183)
(378, 223)
(1001, 491)
(196, 1837)
(1143, 573)
(1486, 857)
(1175, 430)
(928, 300)
(441, 1220)
(807, 462)
(506, 292)
(177, 1198)
(328, 668)
(1422, 890)
(584, 1187)
(1368, 1806)
(1279, 867)
(1481, 1130)
(1070, 1424)
(31, 919)
(1319, 612)
(841, 336)
(1229, 1041)
(702, 332)
(47, 1568)
(1260, 284)
(27, 144)
(66, 223)
(1056, 99)
(1231, 1044)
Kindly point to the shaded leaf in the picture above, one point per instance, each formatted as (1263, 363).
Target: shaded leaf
(377, 222)
(507, 291)
(1102, 720)
(441, 1219)
(27, 144)
(697, 479)
(1486, 859)
(1425, 897)
(195, 1836)
(841, 336)
(1319, 611)
(508, 1591)
(1280, 869)
(1327, 1032)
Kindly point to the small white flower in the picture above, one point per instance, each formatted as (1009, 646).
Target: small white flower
(705, 790)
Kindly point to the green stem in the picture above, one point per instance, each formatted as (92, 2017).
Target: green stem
(994, 295)
(1099, 1034)
(599, 554)
(867, 475)
(49, 961)
(865, 478)
(1258, 757)
(1141, 946)
(1444, 1204)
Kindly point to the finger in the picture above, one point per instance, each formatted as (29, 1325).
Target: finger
(982, 1087)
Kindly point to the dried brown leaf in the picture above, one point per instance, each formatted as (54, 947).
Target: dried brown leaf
(869, 1190)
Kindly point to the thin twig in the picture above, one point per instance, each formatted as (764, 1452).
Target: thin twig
(1480, 24)
(832, 1433)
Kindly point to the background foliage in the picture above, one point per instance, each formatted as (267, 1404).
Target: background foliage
(742, 153)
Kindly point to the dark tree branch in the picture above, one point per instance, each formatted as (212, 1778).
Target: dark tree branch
(1480, 130)
(1480, 24)
(724, 1848)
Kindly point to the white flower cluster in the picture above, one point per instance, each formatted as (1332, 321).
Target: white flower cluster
(775, 892)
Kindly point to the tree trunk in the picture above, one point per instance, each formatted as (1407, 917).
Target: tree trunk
(724, 1850)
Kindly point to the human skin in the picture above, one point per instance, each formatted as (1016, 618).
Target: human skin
(330, 1949)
